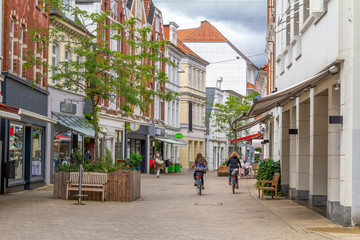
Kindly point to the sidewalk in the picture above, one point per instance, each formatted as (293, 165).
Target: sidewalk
(169, 208)
(302, 219)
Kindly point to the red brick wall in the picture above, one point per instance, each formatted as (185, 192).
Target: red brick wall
(26, 13)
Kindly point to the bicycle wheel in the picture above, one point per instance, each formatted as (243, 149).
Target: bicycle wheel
(198, 186)
(233, 184)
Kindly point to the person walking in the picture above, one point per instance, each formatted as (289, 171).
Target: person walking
(87, 156)
(234, 163)
(158, 162)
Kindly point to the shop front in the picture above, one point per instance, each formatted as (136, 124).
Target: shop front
(23, 138)
(137, 141)
(72, 133)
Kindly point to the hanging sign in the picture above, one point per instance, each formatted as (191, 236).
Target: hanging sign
(178, 135)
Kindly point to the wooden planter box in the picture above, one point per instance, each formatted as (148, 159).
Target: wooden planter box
(124, 187)
(222, 171)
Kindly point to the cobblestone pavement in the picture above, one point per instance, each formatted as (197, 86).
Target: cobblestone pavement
(169, 208)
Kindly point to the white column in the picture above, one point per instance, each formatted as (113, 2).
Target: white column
(303, 149)
(318, 148)
(285, 151)
(333, 204)
(292, 155)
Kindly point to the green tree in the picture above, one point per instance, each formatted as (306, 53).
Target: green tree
(224, 114)
(99, 72)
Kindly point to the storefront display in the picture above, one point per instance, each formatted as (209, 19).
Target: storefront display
(16, 153)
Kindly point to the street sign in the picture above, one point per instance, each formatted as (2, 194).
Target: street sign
(178, 135)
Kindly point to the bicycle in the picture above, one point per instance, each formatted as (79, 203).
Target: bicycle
(199, 183)
(234, 174)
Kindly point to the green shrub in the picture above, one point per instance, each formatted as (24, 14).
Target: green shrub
(135, 159)
(266, 171)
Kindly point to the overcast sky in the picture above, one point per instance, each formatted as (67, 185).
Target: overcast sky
(242, 22)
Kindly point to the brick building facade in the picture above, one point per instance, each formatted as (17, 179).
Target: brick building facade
(23, 137)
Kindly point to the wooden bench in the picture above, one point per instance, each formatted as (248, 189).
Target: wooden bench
(223, 171)
(273, 188)
(91, 182)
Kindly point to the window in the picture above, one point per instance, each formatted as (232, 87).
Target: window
(114, 7)
(190, 117)
(21, 50)
(306, 10)
(296, 18)
(173, 114)
(198, 114)
(190, 71)
(113, 40)
(37, 150)
(16, 150)
(118, 145)
(35, 65)
(202, 81)
(42, 66)
(287, 37)
(67, 59)
(194, 78)
(168, 113)
(12, 36)
(54, 60)
(177, 114)
(198, 80)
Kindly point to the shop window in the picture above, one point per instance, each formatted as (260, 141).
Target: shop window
(16, 149)
(118, 145)
(37, 152)
(61, 149)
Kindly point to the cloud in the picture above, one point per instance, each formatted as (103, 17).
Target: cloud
(248, 39)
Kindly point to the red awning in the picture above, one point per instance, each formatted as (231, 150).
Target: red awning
(248, 138)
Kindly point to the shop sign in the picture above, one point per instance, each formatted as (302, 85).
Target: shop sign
(178, 135)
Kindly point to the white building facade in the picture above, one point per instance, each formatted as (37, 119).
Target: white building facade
(172, 108)
(315, 131)
(217, 143)
(225, 59)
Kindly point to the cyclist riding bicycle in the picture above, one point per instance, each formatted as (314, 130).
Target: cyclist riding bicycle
(200, 164)
(234, 163)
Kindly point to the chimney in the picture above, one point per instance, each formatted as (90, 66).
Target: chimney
(218, 83)
(173, 32)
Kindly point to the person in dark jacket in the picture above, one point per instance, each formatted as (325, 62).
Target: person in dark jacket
(234, 163)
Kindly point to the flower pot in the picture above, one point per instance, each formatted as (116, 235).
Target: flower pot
(177, 167)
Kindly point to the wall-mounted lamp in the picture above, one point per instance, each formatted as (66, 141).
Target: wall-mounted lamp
(293, 131)
(291, 98)
(337, 86)
(265, 141)
(335, 119)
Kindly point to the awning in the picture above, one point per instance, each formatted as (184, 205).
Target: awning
(253, 123)
(13, 113)
(248, 138)
(77, 124)
(269, 102)
(171, 140)
(26, 113)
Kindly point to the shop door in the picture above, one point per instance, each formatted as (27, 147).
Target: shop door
(143, 167)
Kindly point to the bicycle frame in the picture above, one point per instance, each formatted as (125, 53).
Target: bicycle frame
(199, 183)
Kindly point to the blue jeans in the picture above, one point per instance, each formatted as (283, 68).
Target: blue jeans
(230, 171)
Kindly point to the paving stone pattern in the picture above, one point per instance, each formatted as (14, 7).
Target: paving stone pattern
(169, 208)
